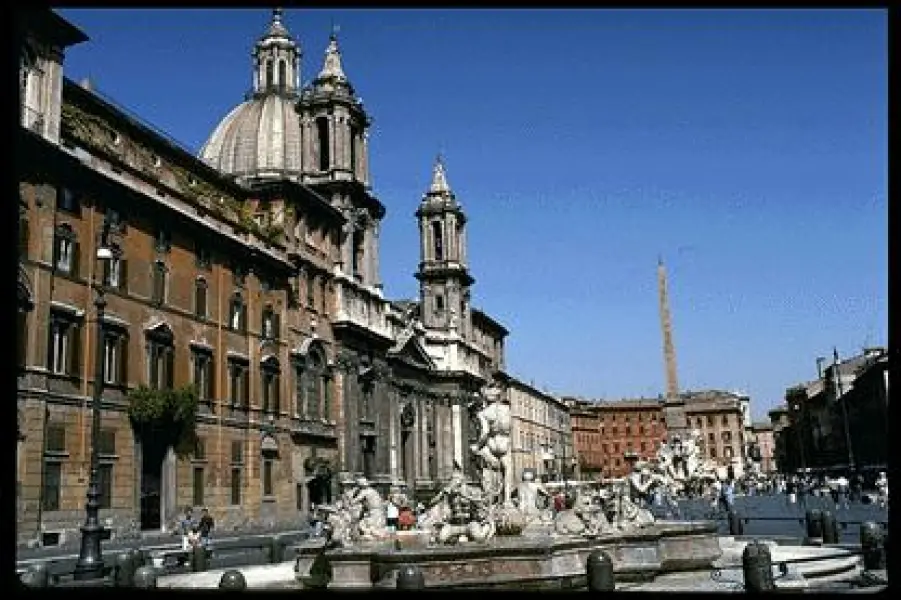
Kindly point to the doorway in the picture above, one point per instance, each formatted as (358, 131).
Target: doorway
(153, 453)
(367, 445)
(319, 490)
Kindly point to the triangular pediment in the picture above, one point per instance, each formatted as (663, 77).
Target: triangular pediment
(409, 349)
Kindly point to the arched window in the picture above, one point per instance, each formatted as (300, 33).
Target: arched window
(65, 250)
(324, 146)
(268, 74)
(438, 240)
(282, 75)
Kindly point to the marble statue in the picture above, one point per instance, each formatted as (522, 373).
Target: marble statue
(628, 514)
(372, 524)
(342, 516)
(460, 512)
(531, 495)
(492, 447)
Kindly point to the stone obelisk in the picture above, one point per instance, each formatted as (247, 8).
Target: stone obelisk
(674, 404)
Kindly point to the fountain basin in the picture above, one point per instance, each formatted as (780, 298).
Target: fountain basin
(521, 562)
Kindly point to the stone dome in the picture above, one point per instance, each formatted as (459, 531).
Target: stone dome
(261, 136)
(258, 138)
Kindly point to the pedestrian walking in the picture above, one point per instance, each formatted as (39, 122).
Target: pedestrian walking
(205, 528)
(186, 526)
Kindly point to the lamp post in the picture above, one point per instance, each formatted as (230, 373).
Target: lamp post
(90, 558)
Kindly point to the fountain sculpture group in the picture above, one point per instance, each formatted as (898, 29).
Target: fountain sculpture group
(465, 516)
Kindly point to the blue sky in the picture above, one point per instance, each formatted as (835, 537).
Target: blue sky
(748, 148)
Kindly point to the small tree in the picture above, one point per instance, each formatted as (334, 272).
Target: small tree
(170, 415)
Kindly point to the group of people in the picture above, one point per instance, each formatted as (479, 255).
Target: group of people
(196, 532)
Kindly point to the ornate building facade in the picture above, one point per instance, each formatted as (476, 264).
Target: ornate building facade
(250, 273)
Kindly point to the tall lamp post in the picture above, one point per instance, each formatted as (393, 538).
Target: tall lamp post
(90, 558)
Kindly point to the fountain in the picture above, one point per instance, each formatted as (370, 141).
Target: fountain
(485, 535)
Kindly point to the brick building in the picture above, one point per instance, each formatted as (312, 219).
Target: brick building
(632, 428)
(585, 423)
(252, 276)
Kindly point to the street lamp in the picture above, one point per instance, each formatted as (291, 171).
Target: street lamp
(90, 558)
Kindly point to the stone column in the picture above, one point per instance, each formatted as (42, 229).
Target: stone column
(364, 152)
(457, 432)
(372, 250)
(424, 439)
(393, 434)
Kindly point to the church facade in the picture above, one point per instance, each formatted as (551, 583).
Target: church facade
(250, 272)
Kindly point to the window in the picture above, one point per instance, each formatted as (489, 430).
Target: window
(65, 250)
(727, 452)
(644, 446)
(270, 383)
(198, 486)
(159, 283)
(282, 74)
(725, 420)
(200, 297)
(68, 201)
(115, 357)
(709, 420)
(726, 437)
(269, 81)
(311, 290)
(160, 358)
(203, 373)
(438, 240)
(322, 136)
(237, 316)
(53, 475)
(203, 258)
(323, 295)
(63, 345)
(239, 384)
(105, 484)
(237, 456)
(267, 477)
(239, 275)
(163, 241)
(698, 421)
(114, 270)
(113, 220)
(439, 303)
(712, 452)
(270, 326)
(356, 255)
(236, 486)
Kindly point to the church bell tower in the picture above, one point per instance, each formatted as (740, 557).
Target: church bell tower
(444, 279)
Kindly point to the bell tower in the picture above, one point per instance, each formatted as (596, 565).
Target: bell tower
(444, 279)
(276, 61)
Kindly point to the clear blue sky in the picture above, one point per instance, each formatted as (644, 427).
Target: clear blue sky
(748, 148)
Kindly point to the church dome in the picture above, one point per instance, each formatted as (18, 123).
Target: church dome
(261, 137)
(258, 138)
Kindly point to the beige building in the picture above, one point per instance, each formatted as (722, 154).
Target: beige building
(718, 415)
(541, 433)
(763, 437)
